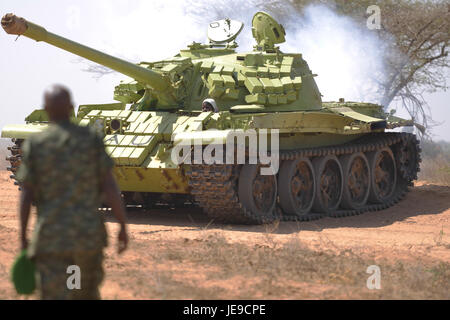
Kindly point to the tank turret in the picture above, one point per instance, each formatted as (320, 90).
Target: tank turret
(265, 79)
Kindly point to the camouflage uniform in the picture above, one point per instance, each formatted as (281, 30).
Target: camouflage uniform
(65, 165)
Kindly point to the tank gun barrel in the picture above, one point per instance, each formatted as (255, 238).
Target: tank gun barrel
(15, 25)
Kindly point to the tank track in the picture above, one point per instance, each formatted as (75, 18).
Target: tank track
(15, 158)
(214, 186)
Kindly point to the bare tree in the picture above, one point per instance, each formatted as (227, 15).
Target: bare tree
(419, 61)
(97, 70)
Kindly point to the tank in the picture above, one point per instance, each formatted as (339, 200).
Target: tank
(272, 151)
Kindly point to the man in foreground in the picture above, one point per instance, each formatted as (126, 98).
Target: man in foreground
(64, 172)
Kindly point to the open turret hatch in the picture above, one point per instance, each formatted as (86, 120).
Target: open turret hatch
(222, 32)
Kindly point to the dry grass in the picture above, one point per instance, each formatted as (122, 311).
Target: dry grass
(436, 170)
(435, 166)
(213, 268)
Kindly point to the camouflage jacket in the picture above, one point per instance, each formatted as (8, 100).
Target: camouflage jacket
(65, 164)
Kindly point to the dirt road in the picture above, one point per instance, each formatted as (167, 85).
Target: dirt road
(180, 254)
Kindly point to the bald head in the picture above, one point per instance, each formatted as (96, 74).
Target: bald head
(58, 103)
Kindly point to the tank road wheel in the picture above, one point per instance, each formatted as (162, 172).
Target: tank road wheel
(297, 184)
(329, 184)
(407, 155)
(356, 180)
(383, 175)
(258, 193)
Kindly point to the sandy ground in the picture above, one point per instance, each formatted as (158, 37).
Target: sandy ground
(166, 257)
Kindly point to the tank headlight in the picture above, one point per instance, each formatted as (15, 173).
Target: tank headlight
(115, 125)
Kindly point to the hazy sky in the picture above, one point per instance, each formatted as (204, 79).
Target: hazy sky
(133, 29)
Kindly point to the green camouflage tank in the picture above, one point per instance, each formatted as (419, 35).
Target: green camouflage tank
(269, 149)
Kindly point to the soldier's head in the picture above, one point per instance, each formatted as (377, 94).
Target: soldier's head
(209, 105)
(58, 103)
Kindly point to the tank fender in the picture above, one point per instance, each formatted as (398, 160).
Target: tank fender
(376, 123)
(22, 131)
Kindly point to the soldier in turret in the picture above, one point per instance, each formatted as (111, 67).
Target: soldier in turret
(65, 170)
(209, 105)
